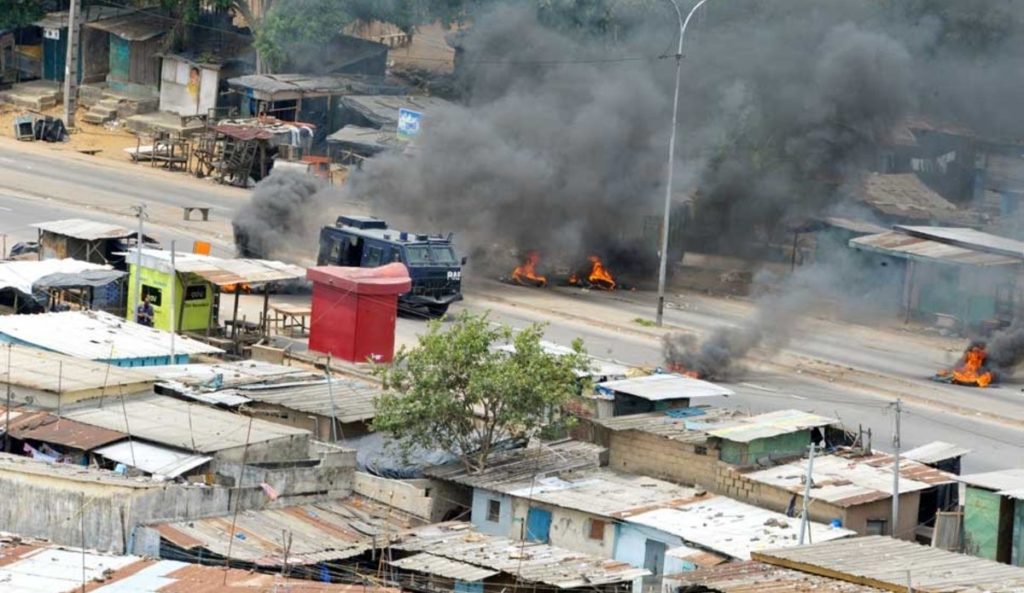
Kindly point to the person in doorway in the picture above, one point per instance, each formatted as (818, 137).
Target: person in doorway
(144, 313)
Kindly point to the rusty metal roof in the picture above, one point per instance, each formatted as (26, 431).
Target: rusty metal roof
(530, 561)
(968, 239)
(885, 563)
(847, 478)
(321, 532)
(218, 271)
(87, 230)
(513, 467)
(771, 424)
(901, 245)
(137, 26)
(444, 567)
(757, 577)
(905, 196)
(42, 426)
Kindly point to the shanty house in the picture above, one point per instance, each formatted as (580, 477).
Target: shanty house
(454, 557)
(133, 42)
(196, 279)
(51, 380)
(652, 393)
(287, 395)
(853, 487)
(102, 337)
(43, 47)
(37, 497)
(85, 240)
(188, 85)
(322, 534)
(183, 425)
(34, 286)
(904, 199)
(49, 569)
(311, 98)
(696, 445)
(955, 277)
(994, 515)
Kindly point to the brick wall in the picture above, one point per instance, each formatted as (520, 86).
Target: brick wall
(644, 453)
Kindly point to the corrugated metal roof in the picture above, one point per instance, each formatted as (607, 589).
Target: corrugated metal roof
(321, 532)
(352, 399)
(227, 374)
(530, 561)
(597, 367)
(176, 423)
(757, 577)
(689, 429)
(762, 426)
(382, 110)
(857, 226)
(601, 492)
(153, 459)
(47, 428)
(884, 562)
(897, 244)
(1006, 479)
(731, 527)
(513, 467)
(904, 195)
(219, 271)
(936, 451)
(49, 570)
(969, 239)
(56, 373)
(97, 335)
(291, 84)
(846, 479)
(696, 556)
(71, 477)
(664, 386)
(444, 567)
(138, 26)
(87, 230)
(52, 569)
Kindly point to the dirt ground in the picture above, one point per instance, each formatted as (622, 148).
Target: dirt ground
(110, 142)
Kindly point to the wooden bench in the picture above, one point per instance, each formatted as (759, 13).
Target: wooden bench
(203, 211)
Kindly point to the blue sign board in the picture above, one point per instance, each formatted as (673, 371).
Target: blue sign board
(408, 123)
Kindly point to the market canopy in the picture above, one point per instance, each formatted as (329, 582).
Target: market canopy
(27, 276)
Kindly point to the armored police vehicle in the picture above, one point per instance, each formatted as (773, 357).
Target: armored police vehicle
(367, 242)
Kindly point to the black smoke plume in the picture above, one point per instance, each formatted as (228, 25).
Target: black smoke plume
(282, 217)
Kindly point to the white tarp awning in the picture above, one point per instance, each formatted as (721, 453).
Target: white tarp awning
(152, 459)
(23, 275)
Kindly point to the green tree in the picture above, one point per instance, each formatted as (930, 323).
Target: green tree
(456, 392)
(18, 13)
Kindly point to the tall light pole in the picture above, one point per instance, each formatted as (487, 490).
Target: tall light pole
(663, 264)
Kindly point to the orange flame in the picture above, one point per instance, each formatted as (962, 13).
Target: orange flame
(680, 369)
(526, 273)
(971, 370)
(599, 275)
(243, 288)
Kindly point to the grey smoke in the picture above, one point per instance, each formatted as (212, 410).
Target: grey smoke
(1006, 350)
(282, 217)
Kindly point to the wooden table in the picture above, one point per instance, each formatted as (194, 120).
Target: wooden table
(288, 316)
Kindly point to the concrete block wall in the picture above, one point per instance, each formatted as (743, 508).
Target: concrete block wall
(644, 453)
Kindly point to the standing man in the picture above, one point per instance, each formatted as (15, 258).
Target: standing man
(144, 313)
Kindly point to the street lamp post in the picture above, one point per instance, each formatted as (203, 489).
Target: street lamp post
(663, 264)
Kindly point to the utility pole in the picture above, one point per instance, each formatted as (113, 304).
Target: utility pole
(140, 211)
(174, 301)
(896, 471)
(663, 262)
(808, 482)
(71, 66)
(7, 421)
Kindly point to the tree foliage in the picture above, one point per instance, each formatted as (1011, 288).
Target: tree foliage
(455, 392)
(18, 13)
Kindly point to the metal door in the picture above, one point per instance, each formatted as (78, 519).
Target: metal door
(654, 556)
(538, 525)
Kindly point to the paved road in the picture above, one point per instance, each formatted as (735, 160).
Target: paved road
(849, 371)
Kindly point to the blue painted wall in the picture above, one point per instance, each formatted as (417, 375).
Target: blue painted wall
(481, 500)
(631, 543)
